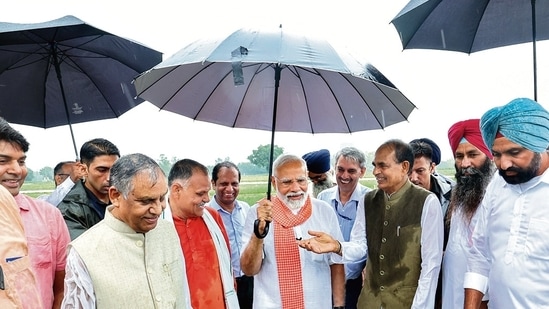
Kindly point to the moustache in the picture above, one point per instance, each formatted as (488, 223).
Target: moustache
(469, 171)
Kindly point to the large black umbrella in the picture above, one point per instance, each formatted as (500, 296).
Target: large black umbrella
(275, 81)
(65, 71)
(473, 25)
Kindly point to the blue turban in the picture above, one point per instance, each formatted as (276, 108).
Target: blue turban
(318, 162)
(435, 156)
(522, 121)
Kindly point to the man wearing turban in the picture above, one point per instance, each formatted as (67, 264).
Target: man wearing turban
(510, 243)
(319, 171)
(474, 169)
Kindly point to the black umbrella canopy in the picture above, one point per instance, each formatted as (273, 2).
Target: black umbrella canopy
(65, 71)
(473, 25)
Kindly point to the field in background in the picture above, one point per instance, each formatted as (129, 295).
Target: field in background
(252, 187)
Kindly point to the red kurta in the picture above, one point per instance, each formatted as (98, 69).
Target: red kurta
(201, 261)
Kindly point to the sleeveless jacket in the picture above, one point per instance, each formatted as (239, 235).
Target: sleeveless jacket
(393, 229)
(133, 270)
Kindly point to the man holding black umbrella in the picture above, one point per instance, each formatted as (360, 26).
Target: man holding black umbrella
(285, 276)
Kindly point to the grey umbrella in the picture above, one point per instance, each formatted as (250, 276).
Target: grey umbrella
(65, 71)
(473, 25)
(275, 81)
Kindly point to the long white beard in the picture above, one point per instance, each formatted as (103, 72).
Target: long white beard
(292, 204)
(326, 184)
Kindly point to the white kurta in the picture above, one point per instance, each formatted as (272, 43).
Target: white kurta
(316, 275)
(454, 263)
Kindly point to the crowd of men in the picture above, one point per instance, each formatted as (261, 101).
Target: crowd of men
(117, 232)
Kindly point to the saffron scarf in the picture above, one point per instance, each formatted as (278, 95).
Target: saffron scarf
(288, 262)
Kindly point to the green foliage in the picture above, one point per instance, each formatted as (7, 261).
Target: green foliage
(30, 175)
(166, 164)
(247, 168)
(260, 156)
(46, 172)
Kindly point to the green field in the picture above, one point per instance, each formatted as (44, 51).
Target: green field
(252, 188)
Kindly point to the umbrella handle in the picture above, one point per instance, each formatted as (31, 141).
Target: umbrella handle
(256, 229)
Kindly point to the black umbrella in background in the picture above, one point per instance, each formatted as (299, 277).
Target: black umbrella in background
(65, 71)
(473, 25)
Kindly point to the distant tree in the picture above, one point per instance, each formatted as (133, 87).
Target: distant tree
(30, 175)
(219, 160)
(260, 156)
(46, 172)
(165, 163)
(247, 168)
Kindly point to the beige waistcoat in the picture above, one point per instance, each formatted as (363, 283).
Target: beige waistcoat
(133, 270)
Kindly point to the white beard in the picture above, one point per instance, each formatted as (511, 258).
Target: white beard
(326, 184)
(293, 204)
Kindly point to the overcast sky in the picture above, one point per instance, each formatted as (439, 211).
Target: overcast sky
(445, 86)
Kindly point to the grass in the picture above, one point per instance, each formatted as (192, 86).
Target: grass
(252, 187)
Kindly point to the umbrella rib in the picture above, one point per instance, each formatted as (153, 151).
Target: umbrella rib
(304, 92)
(476, 28)
(181, 87)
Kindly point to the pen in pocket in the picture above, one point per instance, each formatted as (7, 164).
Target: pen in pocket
(398, 231)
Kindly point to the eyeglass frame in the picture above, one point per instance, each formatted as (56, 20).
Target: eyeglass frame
(286, 183)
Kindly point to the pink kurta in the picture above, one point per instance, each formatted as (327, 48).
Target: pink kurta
(47, 238)
(203, 272)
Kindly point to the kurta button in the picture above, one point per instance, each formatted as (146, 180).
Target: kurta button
(384, 240)
(139, 243)
(158, 299)
(381, 256)
(381, 288)
(385, 223)
(149, 271)
(388, 207)
(381, 272)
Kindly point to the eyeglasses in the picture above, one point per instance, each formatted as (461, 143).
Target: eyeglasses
(285, 182)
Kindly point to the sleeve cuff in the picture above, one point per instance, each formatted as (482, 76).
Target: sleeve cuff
(475, 281)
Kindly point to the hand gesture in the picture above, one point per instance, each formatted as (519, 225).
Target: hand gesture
(320, 243)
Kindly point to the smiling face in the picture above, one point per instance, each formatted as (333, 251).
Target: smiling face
(226, 187)
(144, 204)
(348, 173)
(290, 181)
(13, 169)
(188, 197)
(390, 175)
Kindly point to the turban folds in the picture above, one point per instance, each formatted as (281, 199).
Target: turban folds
(522, 121)
(470, 130)
(435, 157)
(318, 162)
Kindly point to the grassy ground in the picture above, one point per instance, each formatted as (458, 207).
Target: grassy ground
(252, 188)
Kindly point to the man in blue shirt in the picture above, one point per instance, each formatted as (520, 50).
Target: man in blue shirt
(346, 197)
(226, 183)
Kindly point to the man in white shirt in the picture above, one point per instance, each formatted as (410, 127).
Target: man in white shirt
(510, 252)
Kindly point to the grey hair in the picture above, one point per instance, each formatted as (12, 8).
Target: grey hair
(353, 154)
(287, 158)
(127, 167)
